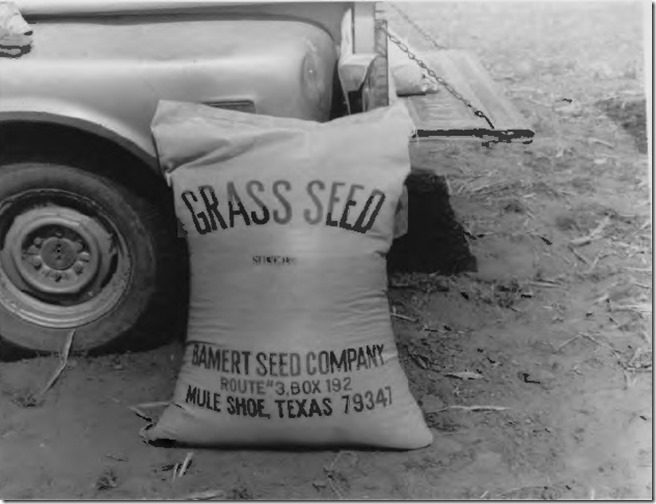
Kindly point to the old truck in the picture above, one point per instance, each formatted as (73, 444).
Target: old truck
(88, 243)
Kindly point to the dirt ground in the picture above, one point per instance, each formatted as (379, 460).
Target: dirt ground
(555, 326)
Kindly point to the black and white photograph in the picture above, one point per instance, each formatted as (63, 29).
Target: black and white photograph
(325, 250)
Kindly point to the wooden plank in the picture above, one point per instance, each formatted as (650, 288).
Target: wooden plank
(442, 115)
(441, 111)
(506, 116)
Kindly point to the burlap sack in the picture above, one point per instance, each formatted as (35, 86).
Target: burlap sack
(288, 223)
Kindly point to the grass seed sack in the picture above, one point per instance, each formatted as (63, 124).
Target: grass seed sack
(288, 222)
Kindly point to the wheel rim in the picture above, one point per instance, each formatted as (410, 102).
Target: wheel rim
(62, 264)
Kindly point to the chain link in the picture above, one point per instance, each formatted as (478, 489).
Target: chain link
(423, 65)
(419, 29)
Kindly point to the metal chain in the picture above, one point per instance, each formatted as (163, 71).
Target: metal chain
(476, 111)
(419, 29)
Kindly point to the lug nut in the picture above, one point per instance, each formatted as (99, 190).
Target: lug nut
(35, 261)
(84, 256)
(37, 241)
(78, 267)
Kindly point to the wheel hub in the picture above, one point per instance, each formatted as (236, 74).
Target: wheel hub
(54, 251)
(65, 261)
(60, 253)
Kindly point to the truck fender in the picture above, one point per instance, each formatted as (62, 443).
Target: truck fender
(82, 118)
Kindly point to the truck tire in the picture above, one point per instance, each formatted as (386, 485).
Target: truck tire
(80, 252)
